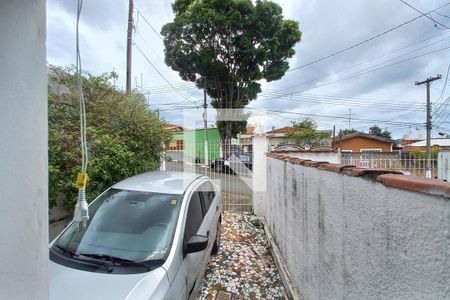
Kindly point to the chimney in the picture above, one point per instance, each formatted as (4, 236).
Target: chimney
(273, 128)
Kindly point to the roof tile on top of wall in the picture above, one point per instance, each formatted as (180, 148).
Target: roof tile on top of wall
(416, 184)
(314, 164)
(334, 167)
(357, 172)
(387, 177)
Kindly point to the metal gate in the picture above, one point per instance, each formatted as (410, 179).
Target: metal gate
(231, 174)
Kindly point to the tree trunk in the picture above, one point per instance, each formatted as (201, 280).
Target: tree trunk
(225, 138)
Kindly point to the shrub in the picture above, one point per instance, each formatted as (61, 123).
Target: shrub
(124, 137)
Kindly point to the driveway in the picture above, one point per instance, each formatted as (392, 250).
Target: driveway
(243, 267)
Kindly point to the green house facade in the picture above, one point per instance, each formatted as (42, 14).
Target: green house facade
(192, 142)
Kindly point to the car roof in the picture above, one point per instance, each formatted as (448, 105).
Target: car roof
(168, 182)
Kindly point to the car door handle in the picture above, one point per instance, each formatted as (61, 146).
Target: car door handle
(207, 233)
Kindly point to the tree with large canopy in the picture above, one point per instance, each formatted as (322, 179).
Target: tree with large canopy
(226, 47)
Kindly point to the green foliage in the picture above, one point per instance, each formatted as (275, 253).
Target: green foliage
(348, 131)
(227, 46)
(124, 137)
(375, 130)
(307, 135)
(420, 154)
(306, 123)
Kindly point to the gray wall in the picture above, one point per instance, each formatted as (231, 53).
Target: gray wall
(345, 237)
(23, 151)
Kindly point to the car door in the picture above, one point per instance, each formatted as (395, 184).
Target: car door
(192, 264)
(211, 209)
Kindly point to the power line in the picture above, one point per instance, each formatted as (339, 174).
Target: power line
(165, 89)
(345, 101)
(374, 58)
(443, 115)
(357, 74)
(345, 118)
(442, 15)
(362, 42)
(149, 24)
(362, 63)
(423, 14)
(156, 69)
(443, 90)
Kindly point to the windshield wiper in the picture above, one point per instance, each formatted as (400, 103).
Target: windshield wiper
(74, 255)
(106, 257)
(65, 250)
(118, 260)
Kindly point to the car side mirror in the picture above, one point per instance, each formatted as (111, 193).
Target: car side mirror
(196, 243)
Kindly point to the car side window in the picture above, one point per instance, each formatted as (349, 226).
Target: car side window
(194, 217)
(208, 194)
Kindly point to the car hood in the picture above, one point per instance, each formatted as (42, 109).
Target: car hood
(68, 283)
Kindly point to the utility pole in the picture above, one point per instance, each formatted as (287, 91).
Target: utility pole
(349, 118)
(428, 122)
(334, 135)
(205, 121)
(129, 44)
(114, 78)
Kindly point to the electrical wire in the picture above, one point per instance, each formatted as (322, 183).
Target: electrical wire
(156, 69)
(81, 212)
(357, 74)
(149, 24)
(423, 14)
(84, 151)
(442, 15)
(372, 59)
(362, 42)
(345, 118)
(319, 100)
(442, 92)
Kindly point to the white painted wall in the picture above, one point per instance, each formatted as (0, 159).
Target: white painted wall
(259, 187)
(345, 237)
(23, 151)
(443, 165)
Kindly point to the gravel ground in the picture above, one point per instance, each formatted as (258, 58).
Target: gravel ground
(243, 266)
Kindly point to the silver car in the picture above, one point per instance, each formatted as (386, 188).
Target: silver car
(148, 237)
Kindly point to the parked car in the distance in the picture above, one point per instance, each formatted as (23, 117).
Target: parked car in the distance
(234, 162)
(148, 237)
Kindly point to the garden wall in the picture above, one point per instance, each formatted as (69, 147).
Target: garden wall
(351, 233)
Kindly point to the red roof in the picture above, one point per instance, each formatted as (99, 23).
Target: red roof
(284, 130)
(172, 127)
(250, 130)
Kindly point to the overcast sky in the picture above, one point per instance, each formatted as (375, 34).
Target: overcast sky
(375, 81)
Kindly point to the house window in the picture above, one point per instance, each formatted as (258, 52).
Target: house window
(180, 144)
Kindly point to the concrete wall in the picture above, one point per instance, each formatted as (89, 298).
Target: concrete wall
(259, 179)
(346, 237)
(23, 151)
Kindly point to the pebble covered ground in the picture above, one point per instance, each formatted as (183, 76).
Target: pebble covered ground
(244, 266)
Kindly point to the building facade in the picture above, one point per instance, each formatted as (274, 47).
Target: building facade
(362, 142)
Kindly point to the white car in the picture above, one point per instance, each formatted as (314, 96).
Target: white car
(148, 237)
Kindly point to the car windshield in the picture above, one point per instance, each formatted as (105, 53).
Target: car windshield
(137, 226)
